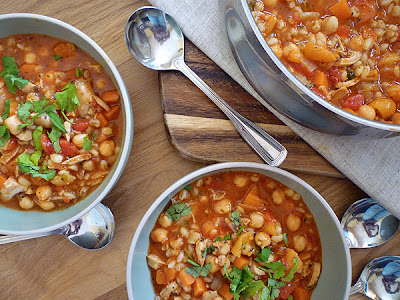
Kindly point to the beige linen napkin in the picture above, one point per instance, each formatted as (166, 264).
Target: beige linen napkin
(372, 164)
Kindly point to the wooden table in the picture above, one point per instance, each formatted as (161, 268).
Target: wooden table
(52, 267)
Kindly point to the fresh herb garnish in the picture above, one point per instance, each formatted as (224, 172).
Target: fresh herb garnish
(197, 270)
(6, 109)
(11, 75)
(54, 136)
(207, 250)
(227, 237)
(56, 57)
(94, 136)
(87, 144)
(188, 187)
(24, 110)
(78, 72)
(178, 210)
(263, 255)
(4, 135)
(241, 229)
(67, 100)
(26, 164)
(285, 239)
(235, 217)
(36, 138)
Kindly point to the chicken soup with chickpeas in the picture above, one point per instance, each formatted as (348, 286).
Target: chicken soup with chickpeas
(60, 123)
(235, 235)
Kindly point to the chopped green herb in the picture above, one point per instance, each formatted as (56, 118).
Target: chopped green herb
(4, 135)
(78, 72)
(292, 271)
(87, 144)
(285, 239)
(290, 297)
(235, 217)
(36, 138)
(227, 237)
(24, 110)
(178, 210)
(186, 222)
(35, 157)
(252, 289)
(188, 187)
(67, 100)
(207, 251)
(197, 271)
(94, 136)
(193, 262)
(11, 75)
(56, 57)
(26, 165)
(6, 109)
(277, 268)
(263, 255)
(54, 136)
(241, 229)
(188, 254)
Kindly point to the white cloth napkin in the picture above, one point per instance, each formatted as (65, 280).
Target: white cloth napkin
(372, 164)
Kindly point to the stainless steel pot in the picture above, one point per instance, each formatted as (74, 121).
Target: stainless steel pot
(280, 88)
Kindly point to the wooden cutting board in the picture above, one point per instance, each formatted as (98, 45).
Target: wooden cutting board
(201, 132)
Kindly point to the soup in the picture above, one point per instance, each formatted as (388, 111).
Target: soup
(60, 123)
(346, 51)
(235, 235)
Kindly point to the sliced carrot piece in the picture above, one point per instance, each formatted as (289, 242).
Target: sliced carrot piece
(113, 113)
(241, 261)
(252, 198)
(341, 9)
(110, 97)
(185, 278)
(3, 179)
(199, 287)
(170, 274)
(224, 292)
(321, 79)
(102, 119)
(160, 277)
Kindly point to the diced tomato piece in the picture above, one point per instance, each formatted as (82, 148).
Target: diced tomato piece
(81, 125)
(46, 144)
(296, 19)
(66, 199)
(319, 92)
(334, 76)
(368, 10)
(301, 68)
(3, 179)
(67, 148)
(343, 31)
(286, 291)
(113, 113)
(353, 101)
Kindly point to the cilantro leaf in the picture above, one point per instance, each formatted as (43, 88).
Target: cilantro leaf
(26, 165)
(54, 136)
(4, 135)
(67, 100)
(24, 111)
(35, 157)
(241, 229)
(188, 187)
(227, 237)
(175, 211)
(252, 289)
(6, 110)
(263, 255)
(87, 144)
(235, 217)
(36, 138)
(292, 271)
(277, 268)
(11, 75)
(78, 72)
(265, 294)
(197, 271)
(207, 250)
(57, 121)
(285, 239)
(56, 57)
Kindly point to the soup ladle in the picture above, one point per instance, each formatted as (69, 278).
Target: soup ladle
(94, 230)
(156, 41)
(368, 224)
(380, 279)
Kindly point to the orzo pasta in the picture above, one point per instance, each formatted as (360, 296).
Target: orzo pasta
(235, 235)
(346, 51)
(59, 123)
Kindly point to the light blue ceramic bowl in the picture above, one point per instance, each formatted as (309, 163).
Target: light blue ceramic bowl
(29, 222)
(335, 280)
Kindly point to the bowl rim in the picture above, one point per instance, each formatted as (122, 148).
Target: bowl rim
(223, 167)
(128, 122)
(326, 104)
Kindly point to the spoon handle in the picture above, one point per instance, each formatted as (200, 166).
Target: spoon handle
(5, 239)
(269, 149)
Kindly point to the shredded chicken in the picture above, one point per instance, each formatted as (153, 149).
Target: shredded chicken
(77, 159)
(10, 188)
(8, 155)
(154, 261)
(348, 61)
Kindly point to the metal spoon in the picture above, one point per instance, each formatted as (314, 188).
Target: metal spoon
(155, 40)
(380, 279)
(367, 224)
(94, 230)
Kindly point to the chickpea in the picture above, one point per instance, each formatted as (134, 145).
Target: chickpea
(159, 235)
(30, 58)
(46, 205)
(256, 220)
(43, 192)
(101, 84)
(278, 196)
(240, 180)
(164, 221)
(222, 206)
(88, 165)
(26, 202)
(23, 181)
(78, 139)
(293, 222)
(367, 112)
(211, 259)
(299, 243)
(44, 121)
(262, 239)
(107, 148)
(330, 25)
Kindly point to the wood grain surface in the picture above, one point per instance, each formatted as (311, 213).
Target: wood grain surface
(52, 267)
(201, 131)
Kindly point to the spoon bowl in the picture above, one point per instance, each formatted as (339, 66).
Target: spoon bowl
(94, 230)
(156, 41)
(379, 279)
(367, 224)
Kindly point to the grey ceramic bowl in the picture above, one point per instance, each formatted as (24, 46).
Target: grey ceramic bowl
(29, 222)
(279, 87)
(335, 280)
